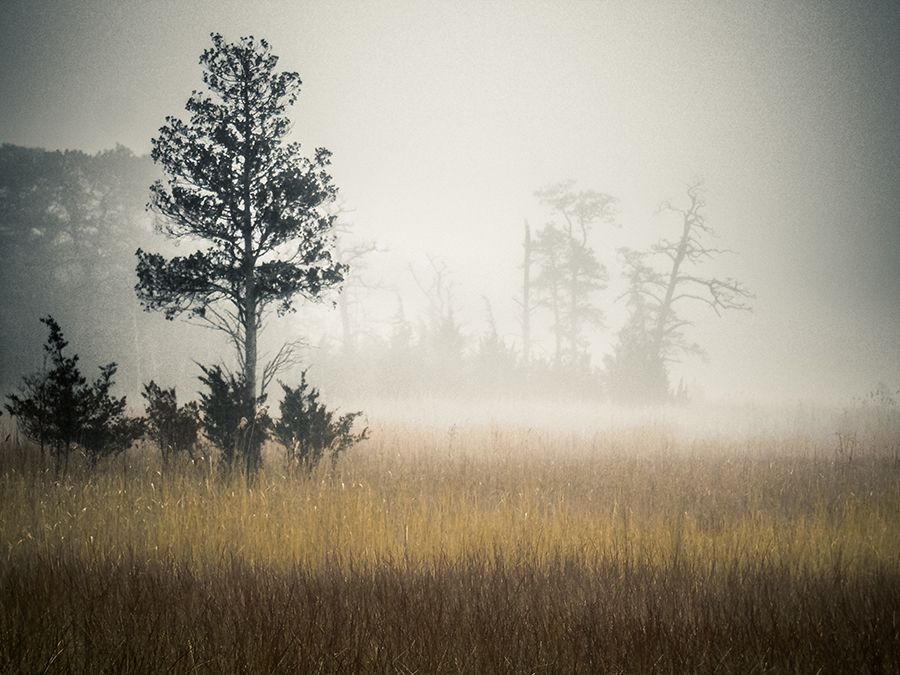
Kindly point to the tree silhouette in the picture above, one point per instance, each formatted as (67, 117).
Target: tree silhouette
(568, 271)
(308, 430)
(61, 409)
(174, 429)
(636, 371)
(58, 406)
(232, 420)
(238, 187)
(654, 335)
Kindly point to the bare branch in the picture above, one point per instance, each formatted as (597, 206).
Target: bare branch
(287, 357)
(664, 291)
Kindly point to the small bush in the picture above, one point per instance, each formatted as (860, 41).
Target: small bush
(174, 429)
(232, 420)
(59, 409)
(106, 431)
(307, 428)
(33, 410)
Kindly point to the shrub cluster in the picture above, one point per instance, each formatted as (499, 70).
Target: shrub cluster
(307, 428)
(60, 411)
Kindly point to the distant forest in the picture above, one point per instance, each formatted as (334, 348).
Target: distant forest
(70, 224)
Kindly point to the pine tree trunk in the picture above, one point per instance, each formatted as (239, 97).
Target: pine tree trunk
(251, 447)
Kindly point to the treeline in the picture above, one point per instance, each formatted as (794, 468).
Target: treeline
(425, 359)
(562, 301)
(70, 224)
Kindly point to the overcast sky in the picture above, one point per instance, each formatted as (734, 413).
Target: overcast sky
(444, 117)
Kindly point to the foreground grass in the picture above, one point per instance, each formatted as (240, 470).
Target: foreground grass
(480, 550)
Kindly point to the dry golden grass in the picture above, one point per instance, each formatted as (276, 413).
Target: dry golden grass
(473, 548)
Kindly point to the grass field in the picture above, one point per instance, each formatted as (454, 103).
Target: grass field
(640, 546)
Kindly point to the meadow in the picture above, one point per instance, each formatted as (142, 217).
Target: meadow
(583, 544)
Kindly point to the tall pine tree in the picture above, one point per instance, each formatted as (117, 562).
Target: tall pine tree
(250, 197)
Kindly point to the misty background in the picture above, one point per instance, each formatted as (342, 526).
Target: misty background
(444, 118)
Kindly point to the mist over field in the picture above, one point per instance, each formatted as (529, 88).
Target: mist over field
(444, 119)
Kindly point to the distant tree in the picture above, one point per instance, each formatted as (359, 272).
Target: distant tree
(64, 410)
(174, 429)
(636, 371)
(654, 335)
(441, 342)
(526, 302)
(251, 198)
(307, 429)
(401, 364)
(550, 253)
(74, 213)
(352, 253)
(494, 362)
(401, 338)
(569, 272)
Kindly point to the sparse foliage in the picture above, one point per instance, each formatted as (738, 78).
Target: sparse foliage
(353, 253)
(441, 342)
(526, 303)
(636, 371)
(568, 271)
(654, 335)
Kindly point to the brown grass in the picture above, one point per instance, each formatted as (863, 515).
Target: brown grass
(474, 549)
